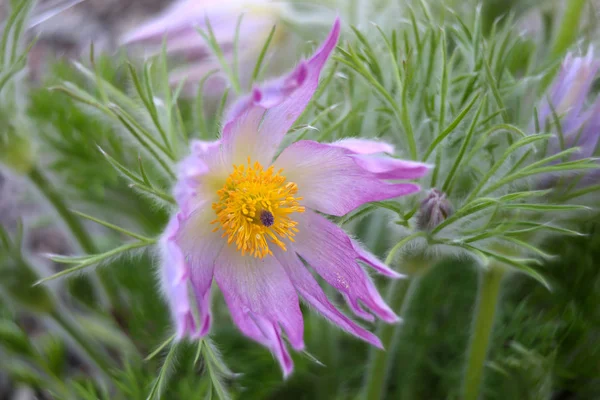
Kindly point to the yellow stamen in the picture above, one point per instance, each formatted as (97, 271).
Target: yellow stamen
(254, 206)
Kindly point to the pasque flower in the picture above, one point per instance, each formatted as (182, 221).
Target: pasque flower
(580, 125)
(251, 221)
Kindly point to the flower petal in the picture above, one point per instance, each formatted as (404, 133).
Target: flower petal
(373, 262)
(588, 141)
(182, 19)
(261, 298)
(182, 270)
(241, 139)
(330, 179)
(271, 93)
(278, 105)
(385, 167)
(279, 119)
(312, 293)
(331, 253)
(181, 16)
(189, 191)
(365, 146)
(570, 89)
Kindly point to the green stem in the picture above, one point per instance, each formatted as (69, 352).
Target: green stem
(90, 349)
(569, 27)
(485, 311)
(55, 199)
(398, 297)
(71, 221)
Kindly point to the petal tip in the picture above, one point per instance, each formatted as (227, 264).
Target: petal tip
(391, 318)
(377, 343)
(396, 275)
(287, 371)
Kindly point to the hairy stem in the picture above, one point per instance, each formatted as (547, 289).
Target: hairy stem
(569, 26)
(398, 297)
(485, 312)
(71, 221)
(91, 349)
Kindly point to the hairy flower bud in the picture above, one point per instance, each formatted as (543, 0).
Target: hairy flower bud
(435, 208)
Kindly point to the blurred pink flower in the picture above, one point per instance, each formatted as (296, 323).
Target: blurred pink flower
(178, 26)
(580, 125)
(245, 218)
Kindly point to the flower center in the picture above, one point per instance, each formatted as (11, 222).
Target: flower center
(255, 205)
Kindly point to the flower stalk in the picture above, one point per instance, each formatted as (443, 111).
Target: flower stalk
(54, 198)
(485, 312)
(569, 27)
(99, 358)
(75, 227)
(398, 297)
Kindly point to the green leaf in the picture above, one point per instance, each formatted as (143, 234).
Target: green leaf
(216, 369)
(526, 141)
(13, 339)
(212, 42)
(545, 207)
(446, 187)
(160, 382)
(202, 125)
(137, 182)
(450, 128)
(93, 259)
(116, 228)
(518, 263)
(160, 348)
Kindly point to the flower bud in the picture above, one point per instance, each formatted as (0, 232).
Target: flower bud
(435, 208)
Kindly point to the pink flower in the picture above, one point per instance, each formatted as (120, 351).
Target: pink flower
(579, 121)
(251, 222)
(178, 25)
(568, 95)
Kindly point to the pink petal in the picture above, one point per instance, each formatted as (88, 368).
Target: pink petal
(203, 147)
(312, 293)
(271, 93)
(330, 179)
(385, 167)
(184, 267)
(181, 16)
(241, 139)
(373, 262)
(261, 298)
(570, 90)
(189, 191)
(279, 104)
(279, 119)
(364, 146)
(332, 254)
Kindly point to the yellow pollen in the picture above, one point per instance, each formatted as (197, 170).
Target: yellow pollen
(254, 209)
